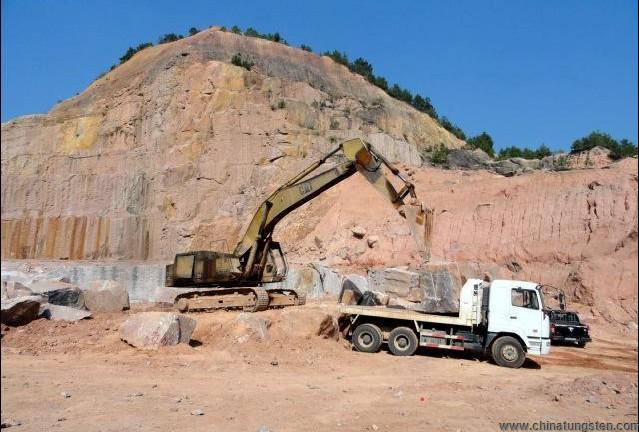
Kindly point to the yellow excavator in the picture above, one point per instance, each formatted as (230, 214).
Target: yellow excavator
(207, 280)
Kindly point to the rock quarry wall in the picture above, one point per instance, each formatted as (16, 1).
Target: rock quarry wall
(175, 149)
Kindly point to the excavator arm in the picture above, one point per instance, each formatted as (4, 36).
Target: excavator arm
(256, 244)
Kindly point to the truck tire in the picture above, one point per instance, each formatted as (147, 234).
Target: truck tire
(367, 338)
(508, 352)
(402, 341)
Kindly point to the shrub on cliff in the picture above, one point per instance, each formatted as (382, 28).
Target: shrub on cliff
(237, 60)
(306, 48)
(193, 31)
(440, 154)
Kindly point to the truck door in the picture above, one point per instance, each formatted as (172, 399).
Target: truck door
(526, 315)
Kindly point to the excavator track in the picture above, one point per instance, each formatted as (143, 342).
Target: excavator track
(248, 299)
(261, 301)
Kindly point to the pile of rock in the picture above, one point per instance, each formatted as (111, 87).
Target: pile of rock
(57, 299)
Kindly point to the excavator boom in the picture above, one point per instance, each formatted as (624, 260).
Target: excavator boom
(257, 258)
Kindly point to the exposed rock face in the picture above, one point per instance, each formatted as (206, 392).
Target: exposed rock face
(151, 330)
(174, 149)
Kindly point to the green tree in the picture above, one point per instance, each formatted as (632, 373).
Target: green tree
(482, 141)
(627, 148)
(338, 57)
(306, 48)
(362, 67)
(235, 29)
(251, 32)
(618, 150)
(381, 82)
(169, 37)
(423, 104)
(452, 128)
(542, 152)
(193, 31)
(132, 51)
(593, 140)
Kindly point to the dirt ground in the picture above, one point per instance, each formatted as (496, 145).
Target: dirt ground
(81, 376)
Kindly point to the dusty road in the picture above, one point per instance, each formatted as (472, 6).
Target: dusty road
(80, 376)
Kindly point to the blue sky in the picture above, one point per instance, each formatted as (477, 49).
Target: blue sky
(527, 72)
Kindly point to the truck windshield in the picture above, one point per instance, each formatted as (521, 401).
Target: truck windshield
(524, 298)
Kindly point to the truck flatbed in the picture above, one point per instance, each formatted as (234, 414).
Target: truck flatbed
(402, 314)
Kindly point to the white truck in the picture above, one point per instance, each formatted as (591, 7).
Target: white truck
(503, 318)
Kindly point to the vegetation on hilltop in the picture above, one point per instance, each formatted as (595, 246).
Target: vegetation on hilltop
(618, 149)
(360, 66)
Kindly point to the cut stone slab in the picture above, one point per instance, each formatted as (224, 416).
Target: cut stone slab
(62, 313)
(151, 330)
(20, 311)
(59, 293)
(106, 296)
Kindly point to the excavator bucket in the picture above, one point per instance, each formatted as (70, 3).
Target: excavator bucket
(420, 225)
(419, 221)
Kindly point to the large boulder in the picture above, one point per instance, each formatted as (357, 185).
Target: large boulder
(20, 310)
(106, 296)
(151, 330)
(468, 159)
(433, 288)
(62, 313)
(441, 285)
(59, 293)
(353, 287)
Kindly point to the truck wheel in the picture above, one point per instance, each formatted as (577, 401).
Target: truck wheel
(581, 344)
(507, 352)
(367, 338)
(402, 341)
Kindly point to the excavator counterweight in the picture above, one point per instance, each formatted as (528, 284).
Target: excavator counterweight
(213, 280)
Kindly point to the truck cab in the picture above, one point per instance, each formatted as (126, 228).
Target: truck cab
(517, 308)
(504, 319)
